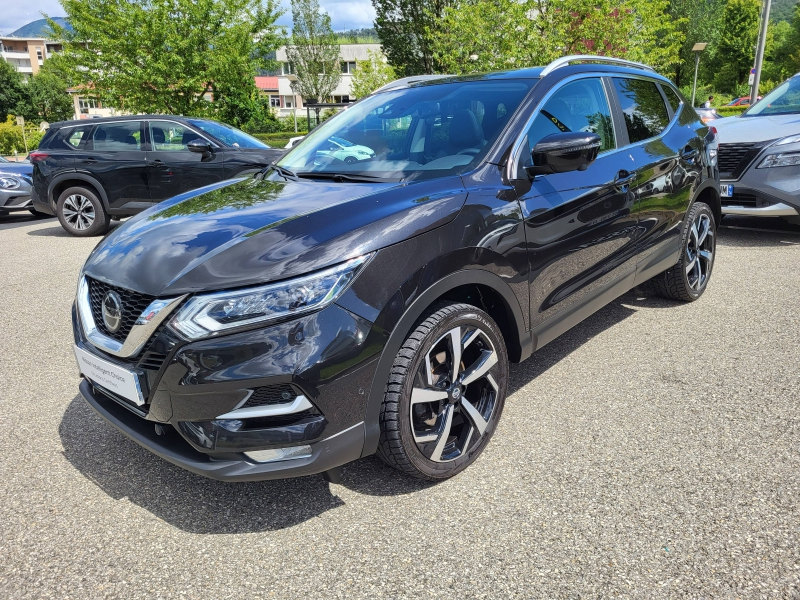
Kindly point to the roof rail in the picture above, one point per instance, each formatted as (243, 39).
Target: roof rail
(565, 60)
(398, 83)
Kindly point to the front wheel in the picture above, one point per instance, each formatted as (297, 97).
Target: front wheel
(445, 393)
(688, 279)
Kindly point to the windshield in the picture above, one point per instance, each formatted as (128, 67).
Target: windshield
(423, 132)
(229, 135)
(783, 100)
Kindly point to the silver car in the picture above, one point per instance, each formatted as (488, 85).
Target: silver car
(15, 187)
(759, 156)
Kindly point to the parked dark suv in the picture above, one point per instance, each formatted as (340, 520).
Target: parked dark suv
(324, 310)
(86, 173)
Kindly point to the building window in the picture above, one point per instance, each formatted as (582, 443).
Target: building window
(39, 53)
(275, 101)
(348, 67)
(288, 102)
(287, 68)
(86, 103)
(341, 99)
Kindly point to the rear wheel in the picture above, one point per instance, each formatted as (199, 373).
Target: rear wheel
(445, 393)
(81, 213)
(688, 279)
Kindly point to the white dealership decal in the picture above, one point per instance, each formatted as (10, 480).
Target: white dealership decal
(108, 375)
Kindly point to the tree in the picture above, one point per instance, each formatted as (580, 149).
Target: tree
(48, 97)
(487, 35)
(696, 21)
(407, 30)
(371, 74)
(168, 55)
(314, 52)
(13, 93)
(733, 52)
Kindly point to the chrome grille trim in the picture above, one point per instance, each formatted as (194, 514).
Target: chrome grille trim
(141, 331)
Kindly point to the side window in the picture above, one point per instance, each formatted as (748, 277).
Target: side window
(672, 97)
(167, 136)
(75, 135)
(643, 106)
(578, 106)
(116, 137)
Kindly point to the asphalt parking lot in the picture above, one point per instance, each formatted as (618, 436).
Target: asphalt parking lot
(653, 451)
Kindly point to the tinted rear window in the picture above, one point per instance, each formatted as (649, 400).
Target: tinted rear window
(672, 97)
(67, 138)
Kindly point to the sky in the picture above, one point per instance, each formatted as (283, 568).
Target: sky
(345, 14)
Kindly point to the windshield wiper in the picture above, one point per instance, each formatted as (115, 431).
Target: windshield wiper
(285, 173)
(355, 177)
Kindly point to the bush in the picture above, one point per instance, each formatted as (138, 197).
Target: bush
(11, 137)
(730, 111)
(277, 140)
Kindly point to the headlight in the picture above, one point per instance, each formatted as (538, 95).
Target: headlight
(790, 159)
(214, 313)
(9, 183)
(792, 139)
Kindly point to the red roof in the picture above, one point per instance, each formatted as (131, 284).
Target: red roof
(267, 83)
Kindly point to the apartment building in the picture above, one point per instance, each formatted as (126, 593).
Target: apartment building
(285, 101)
(27, 54)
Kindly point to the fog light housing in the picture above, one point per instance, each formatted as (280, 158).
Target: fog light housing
(276, 454)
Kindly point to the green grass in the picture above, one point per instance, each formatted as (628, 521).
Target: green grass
(730, 111)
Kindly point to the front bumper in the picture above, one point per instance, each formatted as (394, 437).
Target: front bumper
(326, 454)
(15, 200)
(195, 391)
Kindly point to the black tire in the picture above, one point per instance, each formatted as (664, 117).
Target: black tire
(350, 160)
(678, 284)
(39, 214)
(473, 413)
(81, 213)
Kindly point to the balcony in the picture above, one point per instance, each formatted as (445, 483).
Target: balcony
(6, 53)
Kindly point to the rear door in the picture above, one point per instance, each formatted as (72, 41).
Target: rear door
(172, 168)
(115, 157)
(667, 158)
(580, 227)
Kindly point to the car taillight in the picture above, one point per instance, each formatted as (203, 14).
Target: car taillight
(37, 156)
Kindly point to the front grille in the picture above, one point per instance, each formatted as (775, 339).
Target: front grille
(133, 305)
(730, 155)
(271, 394)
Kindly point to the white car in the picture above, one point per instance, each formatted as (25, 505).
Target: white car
(348, 152)
(294, 141)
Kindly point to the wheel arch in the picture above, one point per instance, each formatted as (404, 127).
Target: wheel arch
(477, 287)
(708, 192)
(75, 179)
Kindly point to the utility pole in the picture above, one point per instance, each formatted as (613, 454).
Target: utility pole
(762, 42)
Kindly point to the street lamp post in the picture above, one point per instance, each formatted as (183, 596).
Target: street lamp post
(697, 49)
(762, 42)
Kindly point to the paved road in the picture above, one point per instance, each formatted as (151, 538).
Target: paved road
(651, 452)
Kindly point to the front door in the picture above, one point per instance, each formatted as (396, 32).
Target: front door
(172, 168)
(115, 157)
(579, 226)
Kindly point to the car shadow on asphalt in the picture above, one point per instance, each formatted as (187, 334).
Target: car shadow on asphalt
(13, 221)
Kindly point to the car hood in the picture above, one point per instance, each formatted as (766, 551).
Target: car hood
(249, 230)
(734, 130)
(17, 168)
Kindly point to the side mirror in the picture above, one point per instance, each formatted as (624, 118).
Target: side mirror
(564, 152)
(199, 145)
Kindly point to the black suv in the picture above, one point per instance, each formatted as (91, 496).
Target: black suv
(89, 172)
(325, 310)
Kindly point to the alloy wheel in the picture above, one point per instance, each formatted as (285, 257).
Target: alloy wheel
(454, 394)
(78, 212)
(700, 252)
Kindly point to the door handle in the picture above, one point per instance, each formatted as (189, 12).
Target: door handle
(623, 180)
(688, 154)
(155, 163)
(90, 160)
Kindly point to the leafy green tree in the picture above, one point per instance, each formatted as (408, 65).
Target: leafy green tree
(733, 52)
(371, 74)
(695, 21)
(408, 30)
(486, 35)
(14, 98)
(313, 52)
(173, 56)
(48, 97)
